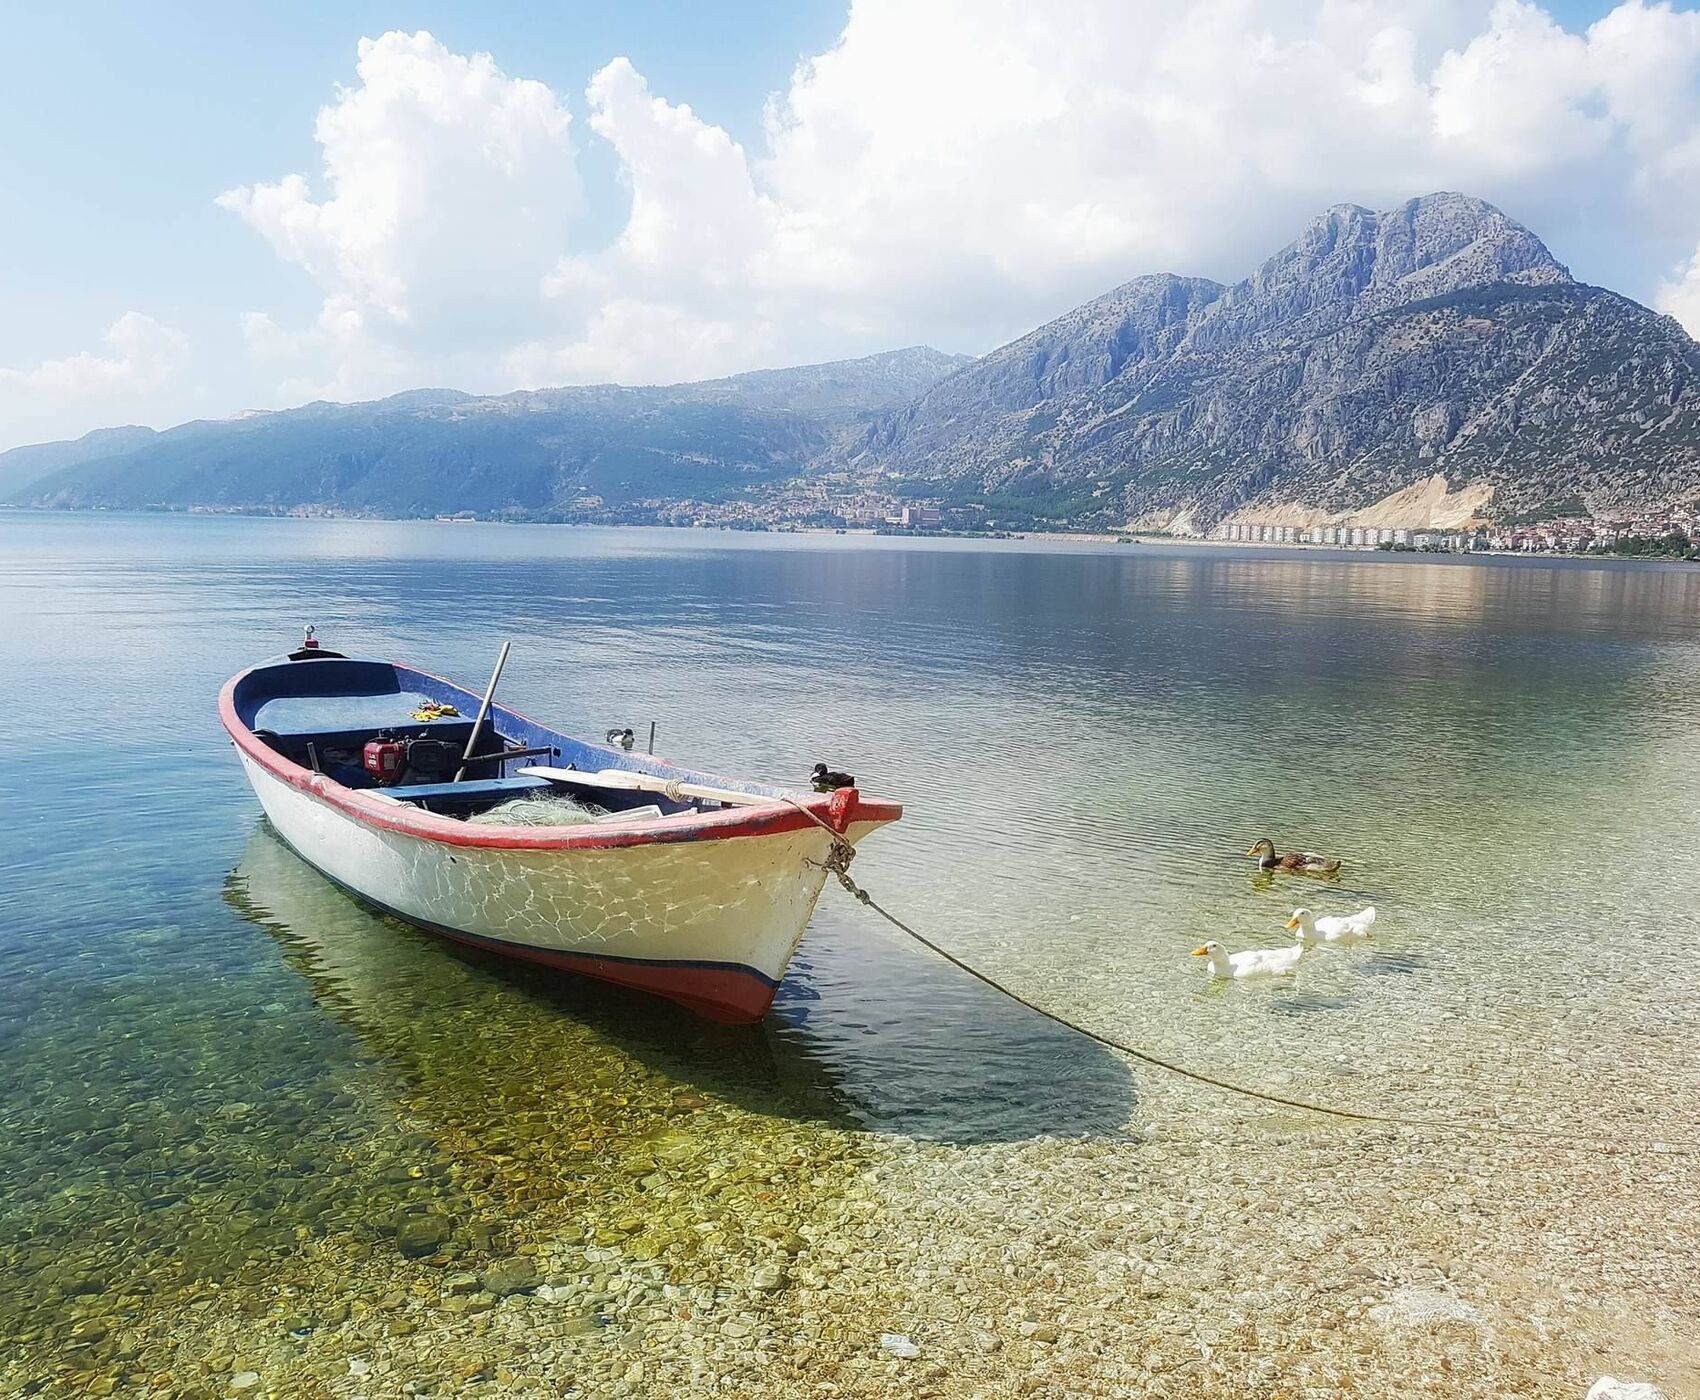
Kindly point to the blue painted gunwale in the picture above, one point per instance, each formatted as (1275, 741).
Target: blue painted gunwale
(246, 693)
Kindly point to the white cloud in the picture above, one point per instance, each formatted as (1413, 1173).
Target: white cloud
(449, 190)
(680, 293)
(1681, 297)
(953, 172)
(1517, 97)
(141, 357)
(982, 163)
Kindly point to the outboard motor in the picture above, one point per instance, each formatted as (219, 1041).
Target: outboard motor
(391, 757)
(385, 758)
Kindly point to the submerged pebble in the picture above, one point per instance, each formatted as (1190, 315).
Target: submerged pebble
(510, 1276)
(1610, 1388)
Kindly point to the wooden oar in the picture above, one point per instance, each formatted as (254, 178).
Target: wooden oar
(618, 778)
(483, 713)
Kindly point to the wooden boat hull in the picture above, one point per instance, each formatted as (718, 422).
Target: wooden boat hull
(706, 910)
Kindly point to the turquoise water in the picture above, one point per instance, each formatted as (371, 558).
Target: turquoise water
(216, 1072)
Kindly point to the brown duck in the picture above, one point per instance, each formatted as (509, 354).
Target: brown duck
(1300, 862)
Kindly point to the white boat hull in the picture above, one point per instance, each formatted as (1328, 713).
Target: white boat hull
(712, 923)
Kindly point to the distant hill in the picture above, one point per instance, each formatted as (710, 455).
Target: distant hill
(1374, 353)
(572, 452)
(24, 466)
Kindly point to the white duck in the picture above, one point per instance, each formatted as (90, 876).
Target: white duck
(1255, 962)
(1342, 928)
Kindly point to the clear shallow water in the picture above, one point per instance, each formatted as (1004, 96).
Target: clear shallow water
(216, 1070)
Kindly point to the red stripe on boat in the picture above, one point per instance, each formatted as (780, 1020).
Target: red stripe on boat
(734, 995)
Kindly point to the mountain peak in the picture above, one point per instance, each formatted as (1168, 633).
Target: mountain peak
(1378, 348)
(1352, 261)
(1461, 241)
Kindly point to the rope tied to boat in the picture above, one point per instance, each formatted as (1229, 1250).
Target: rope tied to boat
(837, 863)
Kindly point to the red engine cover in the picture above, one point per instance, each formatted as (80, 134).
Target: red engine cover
(383, 759)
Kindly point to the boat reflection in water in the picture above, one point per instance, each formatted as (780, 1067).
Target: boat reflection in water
(557, 1105)
(866, 1032)
(498, 1041)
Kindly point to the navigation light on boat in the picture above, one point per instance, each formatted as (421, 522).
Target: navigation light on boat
(310, 650)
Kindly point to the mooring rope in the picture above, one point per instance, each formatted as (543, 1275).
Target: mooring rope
(838, 864)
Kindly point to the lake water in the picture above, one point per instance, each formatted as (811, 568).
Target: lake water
(255, 1136)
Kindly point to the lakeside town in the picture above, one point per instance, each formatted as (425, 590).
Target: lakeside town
(1668, 533)
(1665, 535)
(836, 503)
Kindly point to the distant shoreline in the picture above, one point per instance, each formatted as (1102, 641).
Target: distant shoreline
(1416, 555)
(1123, 539)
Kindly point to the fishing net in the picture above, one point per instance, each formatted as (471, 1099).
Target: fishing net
(536, 811)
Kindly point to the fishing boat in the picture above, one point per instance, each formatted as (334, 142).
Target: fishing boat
(392, 782)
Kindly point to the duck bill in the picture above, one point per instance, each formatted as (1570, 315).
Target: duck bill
(1292, 923)
(1201, 952)
(1252, 851)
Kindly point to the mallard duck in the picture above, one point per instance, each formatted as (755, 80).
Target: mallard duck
(1304, 862)
(1341, 928)
(828, 780)
(1255, 962)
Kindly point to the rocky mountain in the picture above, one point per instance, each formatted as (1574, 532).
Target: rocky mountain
(842, 390)
(570, 452)
(1377, 352)
(1430, 364)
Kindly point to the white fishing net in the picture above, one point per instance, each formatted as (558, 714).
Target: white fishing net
(552, 810)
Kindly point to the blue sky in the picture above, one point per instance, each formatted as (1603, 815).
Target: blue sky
(948, 173)
(137, 116)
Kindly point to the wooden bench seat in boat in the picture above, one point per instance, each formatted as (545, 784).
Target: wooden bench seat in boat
(472, 790)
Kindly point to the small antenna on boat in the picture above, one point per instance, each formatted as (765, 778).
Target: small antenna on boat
(652, 738)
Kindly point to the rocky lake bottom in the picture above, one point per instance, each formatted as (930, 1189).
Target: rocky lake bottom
(260, 1141)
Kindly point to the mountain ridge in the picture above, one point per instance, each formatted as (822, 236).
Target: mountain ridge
(536, 453)
(1376, 353)
(1373, 352)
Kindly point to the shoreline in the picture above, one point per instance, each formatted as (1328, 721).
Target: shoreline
(1414, 555)
(1123, 538)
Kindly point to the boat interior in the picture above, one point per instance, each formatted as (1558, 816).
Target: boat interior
(402, 734)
